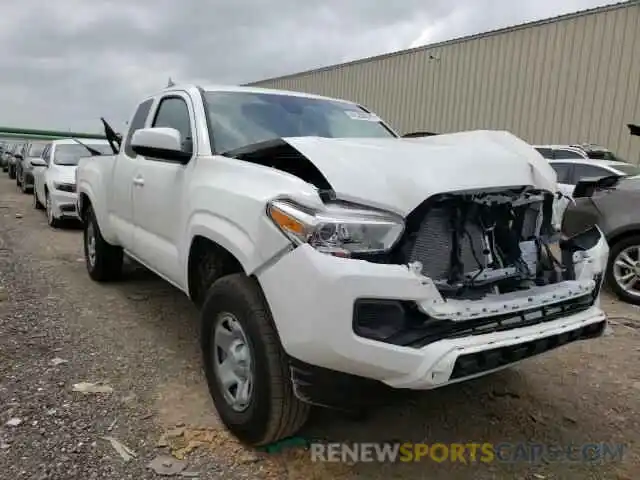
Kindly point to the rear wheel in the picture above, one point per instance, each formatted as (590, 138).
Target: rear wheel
(104, 261)
(623, 269)
(247, 370)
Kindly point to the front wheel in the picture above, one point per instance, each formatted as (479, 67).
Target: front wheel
(36, 203)
(104, 261)
(623, 269)
(12, 172)
(23, 186)
(246, 368)
(52, 220)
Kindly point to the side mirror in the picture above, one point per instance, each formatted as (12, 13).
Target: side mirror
(586, 187)
(160, 142)
(38, 162)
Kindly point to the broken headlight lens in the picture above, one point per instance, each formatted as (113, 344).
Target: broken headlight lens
(339, 230)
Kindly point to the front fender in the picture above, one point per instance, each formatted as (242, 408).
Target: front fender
(252, 248)
(98, 200)
(225, 233)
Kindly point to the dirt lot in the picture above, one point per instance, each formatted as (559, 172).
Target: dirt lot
(140, 337)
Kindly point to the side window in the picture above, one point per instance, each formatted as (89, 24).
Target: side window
(174, 113)
(137, 122)
(566, 154)
(588, 171)
(563, 170)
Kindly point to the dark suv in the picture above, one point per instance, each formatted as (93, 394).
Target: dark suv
(612, 204)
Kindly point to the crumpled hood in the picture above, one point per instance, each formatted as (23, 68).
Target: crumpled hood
(399, 174)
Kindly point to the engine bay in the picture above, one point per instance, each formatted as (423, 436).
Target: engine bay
(473, 244)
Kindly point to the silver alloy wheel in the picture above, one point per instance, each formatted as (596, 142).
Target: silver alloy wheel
(232, 361)
(91, 244)
(626, 270)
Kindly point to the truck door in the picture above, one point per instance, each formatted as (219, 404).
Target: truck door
(160, 193)
(121, 201)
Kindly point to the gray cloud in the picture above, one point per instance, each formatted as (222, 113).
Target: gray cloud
(65, 63)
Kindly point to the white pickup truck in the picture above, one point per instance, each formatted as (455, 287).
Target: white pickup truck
(331, 257)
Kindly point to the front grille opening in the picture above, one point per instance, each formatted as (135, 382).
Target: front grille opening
(472, 244)
(475, 363)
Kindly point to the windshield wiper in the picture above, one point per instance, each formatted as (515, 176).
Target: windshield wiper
(92, 151)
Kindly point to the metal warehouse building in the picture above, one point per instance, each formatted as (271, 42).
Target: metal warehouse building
(568, 79)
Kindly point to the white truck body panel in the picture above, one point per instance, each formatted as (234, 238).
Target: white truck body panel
(154, 209)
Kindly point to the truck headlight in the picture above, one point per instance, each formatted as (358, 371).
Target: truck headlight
(339, 229)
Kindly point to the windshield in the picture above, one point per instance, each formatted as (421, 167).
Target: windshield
(36, 149)
(628, 169)
(70, 154)
(239, 119)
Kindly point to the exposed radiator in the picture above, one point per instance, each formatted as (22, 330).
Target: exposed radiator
(433, 244)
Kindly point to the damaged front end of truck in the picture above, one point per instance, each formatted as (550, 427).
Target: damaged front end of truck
(494, 262)
(424, 262)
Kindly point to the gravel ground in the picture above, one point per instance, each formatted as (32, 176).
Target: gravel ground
(138, 339)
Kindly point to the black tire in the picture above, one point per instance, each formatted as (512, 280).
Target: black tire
(273, 412)
(18, 179)
(36, 203)
(108, 260)
(612, 284)
(12, 173)
(24, 187)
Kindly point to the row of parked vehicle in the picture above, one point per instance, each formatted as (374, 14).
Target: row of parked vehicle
(46, 169)
(331, 258)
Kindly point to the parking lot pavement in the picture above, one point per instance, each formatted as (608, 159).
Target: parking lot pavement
(140, 337)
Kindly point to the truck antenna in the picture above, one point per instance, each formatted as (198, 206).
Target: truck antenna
(170, 84)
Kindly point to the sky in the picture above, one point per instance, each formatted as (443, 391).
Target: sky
(65, 63)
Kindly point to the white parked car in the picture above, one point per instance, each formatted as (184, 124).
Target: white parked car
(54, 176)
(574, 162)
(331, 257)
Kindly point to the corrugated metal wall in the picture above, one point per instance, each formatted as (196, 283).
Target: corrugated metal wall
(568, 80)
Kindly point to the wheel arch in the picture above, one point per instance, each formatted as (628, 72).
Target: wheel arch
(622, 233)
(207, 261)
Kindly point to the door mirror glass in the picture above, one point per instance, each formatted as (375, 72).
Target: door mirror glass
(160, 142)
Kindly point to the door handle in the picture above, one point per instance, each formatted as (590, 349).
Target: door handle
(138, 181)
